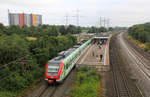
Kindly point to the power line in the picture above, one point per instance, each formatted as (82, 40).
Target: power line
(108, 23)
(100, 21)
(77, 16)
(66, 18)
(104, 22)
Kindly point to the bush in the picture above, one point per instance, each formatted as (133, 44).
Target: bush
(83, 69)
(14, 83)
(7, 94)
(86, 83)
(141, 33)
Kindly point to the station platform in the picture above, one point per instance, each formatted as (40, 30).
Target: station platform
(97, 55)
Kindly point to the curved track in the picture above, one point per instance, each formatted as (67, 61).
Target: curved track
(120, 80)
(140, 64)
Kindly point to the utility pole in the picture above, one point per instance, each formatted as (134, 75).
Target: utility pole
(104, 22)
(66, 18)
(77, 16)
(100, 22)
(108, 23)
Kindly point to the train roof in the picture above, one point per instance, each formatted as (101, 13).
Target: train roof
(63, 54)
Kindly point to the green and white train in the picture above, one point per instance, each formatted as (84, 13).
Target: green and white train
(58, 68)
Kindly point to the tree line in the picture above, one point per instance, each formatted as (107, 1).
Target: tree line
(141, 32)
(99, 29)
(50, 30)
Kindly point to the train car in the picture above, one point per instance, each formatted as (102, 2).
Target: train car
(57, 69)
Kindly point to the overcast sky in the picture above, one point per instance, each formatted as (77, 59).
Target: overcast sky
(120, 12)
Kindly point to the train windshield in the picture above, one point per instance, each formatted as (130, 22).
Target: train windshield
(53, 63)
(53, 68)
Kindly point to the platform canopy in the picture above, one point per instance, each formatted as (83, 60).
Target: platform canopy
(100, 37)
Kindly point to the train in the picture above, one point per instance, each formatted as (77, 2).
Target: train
(58, 68)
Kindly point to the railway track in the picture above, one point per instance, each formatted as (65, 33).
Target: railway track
(122, 78)
(121, 86)
(44, 90)
(144, 55)
(140, 64)
(54, 90)
(49, 91)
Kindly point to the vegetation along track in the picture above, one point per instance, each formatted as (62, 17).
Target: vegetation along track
(140, 54)
(121, 86)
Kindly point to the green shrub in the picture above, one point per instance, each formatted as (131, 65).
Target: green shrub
(86, 83)
(15, 83)
(7, 94)
(84, 69)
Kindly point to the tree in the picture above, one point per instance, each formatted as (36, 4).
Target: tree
(53, 31)
(79, 30)
(71, 29)
(2, 28)
(93, 30)
(14, 29)
(102, 29)
(12, 47)
(110, 29)
(140, 32)
(62, 30)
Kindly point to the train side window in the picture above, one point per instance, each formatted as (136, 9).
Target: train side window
(67, 66)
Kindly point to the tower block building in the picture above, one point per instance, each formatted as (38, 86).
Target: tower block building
(25, 19)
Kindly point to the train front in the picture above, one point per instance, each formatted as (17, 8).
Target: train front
(53, 71)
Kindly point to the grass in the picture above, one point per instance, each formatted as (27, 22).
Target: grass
(87, 84)
(85, 31)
